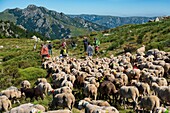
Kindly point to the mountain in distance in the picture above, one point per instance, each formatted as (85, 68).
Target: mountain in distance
(113, 21)
(49, 23)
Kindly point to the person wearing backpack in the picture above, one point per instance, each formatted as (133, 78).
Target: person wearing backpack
(96, 45)
(86, 43)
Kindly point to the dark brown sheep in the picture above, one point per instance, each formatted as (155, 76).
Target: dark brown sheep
(106, 89)
(32, 92)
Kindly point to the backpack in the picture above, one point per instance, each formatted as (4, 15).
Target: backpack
(49, 46)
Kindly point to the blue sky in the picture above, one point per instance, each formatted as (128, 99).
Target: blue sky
(99, 7)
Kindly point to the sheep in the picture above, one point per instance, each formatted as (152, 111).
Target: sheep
(25, 84)
(97, 102)
(107, 88)
(90, 90)
(5, 103)
(32, 92)
(39, 107)
(44, 80)
(129, 92)
(64, 89)
(12, 94)
(67, 83)
(123, 76)
(132, 74)
(144, 88)
(160, 81)
(159, 68)
(28, 108)
(89, 108)
(92, 80)
(140, 50)
(44, 87)
(162, 92)
(71, 78)
(63, 100)
(12, 88)
(150, 103)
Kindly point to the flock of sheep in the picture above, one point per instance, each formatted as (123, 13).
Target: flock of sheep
(96, 85)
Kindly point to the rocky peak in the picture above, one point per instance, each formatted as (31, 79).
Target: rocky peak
(31, 7)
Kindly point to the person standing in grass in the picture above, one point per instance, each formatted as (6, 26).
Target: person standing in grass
(96, 45)
(85, 42)
(44, 51)
(50, 46)
(90, 50)
(63, 52)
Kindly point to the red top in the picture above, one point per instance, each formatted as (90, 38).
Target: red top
(44, 50)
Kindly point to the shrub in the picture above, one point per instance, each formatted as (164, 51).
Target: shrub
(113, 46)
(140, 39)
(11, 71)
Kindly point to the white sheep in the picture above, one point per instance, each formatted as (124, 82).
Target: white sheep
(149, 103)
(25, 84)
(129, 92)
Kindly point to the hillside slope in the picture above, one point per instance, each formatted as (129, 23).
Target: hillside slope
(130, 37)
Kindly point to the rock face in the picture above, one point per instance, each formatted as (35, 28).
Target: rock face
(10, 30)
(50, 23)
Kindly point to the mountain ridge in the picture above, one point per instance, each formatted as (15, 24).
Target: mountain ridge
(49, 23)
(113, 21)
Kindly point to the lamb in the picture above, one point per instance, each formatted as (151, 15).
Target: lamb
(63, 100)
(129, 92)
(150, 103)
(25, 84)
